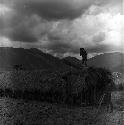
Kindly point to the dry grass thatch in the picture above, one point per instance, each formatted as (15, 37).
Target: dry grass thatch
(93, 81)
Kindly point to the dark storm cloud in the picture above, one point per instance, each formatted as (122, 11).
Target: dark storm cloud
(18, 31)
(57, 9)
(24, 29)
(51, 10)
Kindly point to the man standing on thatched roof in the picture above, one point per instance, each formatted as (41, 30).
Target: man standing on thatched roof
(83, 53)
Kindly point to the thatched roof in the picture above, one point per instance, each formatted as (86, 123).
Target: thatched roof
(30, 80)
(43, 80)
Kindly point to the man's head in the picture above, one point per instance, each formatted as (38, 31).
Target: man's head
(81, 51)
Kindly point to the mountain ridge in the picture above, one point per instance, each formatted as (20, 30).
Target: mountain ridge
(31, 59)
(34, 59)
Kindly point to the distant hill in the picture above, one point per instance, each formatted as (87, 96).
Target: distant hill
(112, 61)
(31, 59)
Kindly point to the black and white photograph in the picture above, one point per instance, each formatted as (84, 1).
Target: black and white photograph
(61, 62)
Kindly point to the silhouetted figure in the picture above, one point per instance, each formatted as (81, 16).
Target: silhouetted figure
(83, 53)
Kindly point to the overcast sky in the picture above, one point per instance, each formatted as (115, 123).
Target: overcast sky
(61, 27)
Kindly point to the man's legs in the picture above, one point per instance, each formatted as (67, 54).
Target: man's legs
(82, 60)
(85, 62)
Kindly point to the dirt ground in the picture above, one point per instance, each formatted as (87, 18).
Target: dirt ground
(20, 112)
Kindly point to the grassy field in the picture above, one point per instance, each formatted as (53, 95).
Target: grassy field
(20, 112)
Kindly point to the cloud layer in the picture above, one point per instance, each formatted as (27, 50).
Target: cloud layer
(62, 26)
